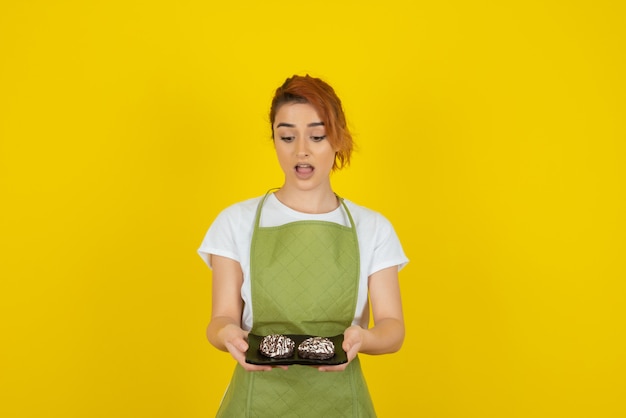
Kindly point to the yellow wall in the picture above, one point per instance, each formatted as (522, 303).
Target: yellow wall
(492, 134)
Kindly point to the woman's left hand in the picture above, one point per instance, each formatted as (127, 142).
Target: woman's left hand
(352, 340)
(387, 334)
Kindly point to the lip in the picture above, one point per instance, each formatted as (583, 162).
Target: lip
(304, 170)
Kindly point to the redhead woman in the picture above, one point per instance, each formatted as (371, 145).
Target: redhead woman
(300, 260)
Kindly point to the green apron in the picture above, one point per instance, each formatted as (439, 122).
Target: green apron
(305, 278)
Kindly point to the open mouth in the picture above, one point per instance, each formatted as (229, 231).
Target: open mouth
(304, 168)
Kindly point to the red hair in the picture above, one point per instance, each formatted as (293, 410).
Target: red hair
(322, 97)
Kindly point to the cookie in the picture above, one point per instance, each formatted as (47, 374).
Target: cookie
(317, 348)
(277, 346)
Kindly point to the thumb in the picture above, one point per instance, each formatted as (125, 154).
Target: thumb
(242, 345)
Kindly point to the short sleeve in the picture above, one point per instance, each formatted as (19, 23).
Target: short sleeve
(387, 251)
(220, 239)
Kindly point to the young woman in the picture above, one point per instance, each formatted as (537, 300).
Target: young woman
(302, 260)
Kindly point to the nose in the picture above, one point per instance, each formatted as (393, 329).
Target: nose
(302, 148)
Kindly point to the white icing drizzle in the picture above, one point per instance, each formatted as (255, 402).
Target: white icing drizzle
(318, 346)
(276, 345)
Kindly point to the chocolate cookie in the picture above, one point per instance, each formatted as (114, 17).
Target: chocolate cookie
(317, 348)
(277, 346)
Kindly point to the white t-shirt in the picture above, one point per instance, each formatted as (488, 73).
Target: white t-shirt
(230, 236)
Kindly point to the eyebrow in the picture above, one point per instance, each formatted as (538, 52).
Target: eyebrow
(291, 125)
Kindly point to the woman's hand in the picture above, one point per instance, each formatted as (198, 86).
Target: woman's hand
(235, 341)
(387, 334)
(352, 340)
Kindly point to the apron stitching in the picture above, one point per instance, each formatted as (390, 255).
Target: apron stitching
(353, 370)
(249, 397)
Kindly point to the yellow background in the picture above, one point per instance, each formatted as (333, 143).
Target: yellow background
(492, 135)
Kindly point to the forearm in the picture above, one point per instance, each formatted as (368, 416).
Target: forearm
(385, 337)
(387, 334)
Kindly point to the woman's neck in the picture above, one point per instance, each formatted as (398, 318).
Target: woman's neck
(308, 201)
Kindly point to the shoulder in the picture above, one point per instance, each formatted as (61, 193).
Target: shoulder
(370, 224)
(229, 231)
(366, 217)
(378, 240)
(236, 217)
(236, 212)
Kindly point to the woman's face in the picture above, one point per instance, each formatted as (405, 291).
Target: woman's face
(303, 151)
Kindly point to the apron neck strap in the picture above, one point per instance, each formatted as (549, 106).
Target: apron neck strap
(257, 218)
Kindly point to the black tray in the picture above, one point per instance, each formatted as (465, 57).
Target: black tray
(254, 356)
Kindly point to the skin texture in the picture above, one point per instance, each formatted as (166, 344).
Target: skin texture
(306, 158)
(300, 143)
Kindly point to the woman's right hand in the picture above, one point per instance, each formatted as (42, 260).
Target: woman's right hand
(235, 341)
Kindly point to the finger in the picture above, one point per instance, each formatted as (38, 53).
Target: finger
(255, 367)
(351, 338)
(242, 345)
(236, 353)
(238, 344)
(241, 359)
(338, 368)
(351, 349)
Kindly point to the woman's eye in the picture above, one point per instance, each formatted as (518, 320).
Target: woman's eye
(318, 138)
(287, 138)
